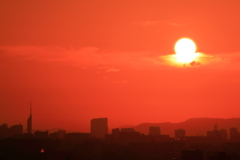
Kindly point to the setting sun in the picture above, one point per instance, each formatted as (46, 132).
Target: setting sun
(185, 50)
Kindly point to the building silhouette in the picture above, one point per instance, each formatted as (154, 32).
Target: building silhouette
(180, 133)
(217, 135)
(54, 135)
(15, 130)
(99, 127)
(214, 134)
(129, 135)
(154, 131)
(234, 134)
(3, 130)
(76, 137)
(41, 134)
(115, 133)
(223, 134)
(127, 130)
(29, 121)
(61, 133)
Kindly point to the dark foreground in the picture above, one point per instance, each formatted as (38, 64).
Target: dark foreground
(47, 149)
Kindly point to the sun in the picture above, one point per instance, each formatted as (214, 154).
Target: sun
(185, 50)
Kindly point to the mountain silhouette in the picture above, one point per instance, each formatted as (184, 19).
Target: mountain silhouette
(193, 126)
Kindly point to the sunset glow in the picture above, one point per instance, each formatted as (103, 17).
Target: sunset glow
(130, 61)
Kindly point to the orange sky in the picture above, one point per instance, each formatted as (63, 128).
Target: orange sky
(85, 59)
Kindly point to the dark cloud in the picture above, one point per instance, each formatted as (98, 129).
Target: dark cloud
(194, 63)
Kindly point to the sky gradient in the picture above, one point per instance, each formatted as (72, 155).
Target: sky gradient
(80, 60)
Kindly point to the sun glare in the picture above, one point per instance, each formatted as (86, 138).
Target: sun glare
(185, 50)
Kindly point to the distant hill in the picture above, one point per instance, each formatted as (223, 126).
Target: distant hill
(127, 126)
(193, 126)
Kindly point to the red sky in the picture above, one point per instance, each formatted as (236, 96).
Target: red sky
(80, 60)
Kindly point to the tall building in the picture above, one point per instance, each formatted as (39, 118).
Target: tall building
(154, 131)
(29, 121)
(99, 127)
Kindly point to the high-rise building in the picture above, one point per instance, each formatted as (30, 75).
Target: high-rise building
(180, 133)
(154, 131)
(29, 121)
(99, 127)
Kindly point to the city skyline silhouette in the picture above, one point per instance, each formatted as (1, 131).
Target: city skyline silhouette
(121, 143)
(99, 128)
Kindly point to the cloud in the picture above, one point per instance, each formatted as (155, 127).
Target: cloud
(201, 60)
(84, 57)
(113, 61)
(175, 24)
(194, 63)
(148, 23)
(112, 70)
